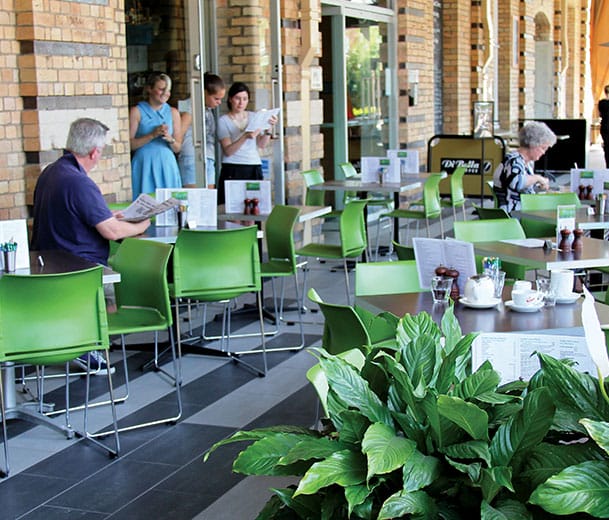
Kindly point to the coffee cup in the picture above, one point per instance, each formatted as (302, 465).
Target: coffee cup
(522, 285)
(524, 298)
(561, 282)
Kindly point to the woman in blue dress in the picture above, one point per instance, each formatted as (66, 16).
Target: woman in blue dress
(153, 127)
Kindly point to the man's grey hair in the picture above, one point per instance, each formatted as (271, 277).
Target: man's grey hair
(85, 135)
(534, 133)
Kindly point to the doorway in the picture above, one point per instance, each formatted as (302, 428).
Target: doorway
(358, 60)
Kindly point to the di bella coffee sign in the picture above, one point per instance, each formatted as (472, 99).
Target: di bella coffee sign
(472, 166)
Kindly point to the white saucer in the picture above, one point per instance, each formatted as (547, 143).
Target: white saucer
(523, 308)
(480, 305)
(570, 298)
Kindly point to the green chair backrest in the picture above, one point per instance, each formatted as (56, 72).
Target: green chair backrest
(353, 237)
(488, 230)
(543, 201)
(534, 228)
(490, 213)
(279, 235)
(431, 196)
(491, 187)
(343, 328)
(403, 252)
(313, 197)
(386, 278)
(213, 265)
(142, 265)
(457, 195)
(349, 172)
(52, 318)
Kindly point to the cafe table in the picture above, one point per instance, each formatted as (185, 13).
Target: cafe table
(594, 253)
(496, 319)
(584, 219)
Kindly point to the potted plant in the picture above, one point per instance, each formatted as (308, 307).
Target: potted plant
(412, 432)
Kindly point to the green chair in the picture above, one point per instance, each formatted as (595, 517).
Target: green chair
(491, 187)
(347, 327)
(51, 320)
(316, 197)
(217, 266)
(386, 278)
(492, 230)
(431, 207)
(534, 228)
(457, 195)
(282, 262)
(353, 239)
(403, 252)
(143, 305)
(490, 213)
(547, 201)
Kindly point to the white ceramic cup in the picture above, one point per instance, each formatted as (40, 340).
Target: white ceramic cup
(522, 285)
(561, 282)
(523, 298)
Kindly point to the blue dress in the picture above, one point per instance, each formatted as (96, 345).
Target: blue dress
(154, 165)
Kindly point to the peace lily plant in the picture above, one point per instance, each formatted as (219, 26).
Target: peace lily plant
(412, 432)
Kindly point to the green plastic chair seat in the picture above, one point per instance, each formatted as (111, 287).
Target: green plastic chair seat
(545, 201)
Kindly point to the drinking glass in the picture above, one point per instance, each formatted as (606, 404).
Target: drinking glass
(440, 289)
(499, 279)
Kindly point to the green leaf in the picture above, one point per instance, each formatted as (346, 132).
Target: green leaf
(576, 389)
(599, 431)
(469, 450)
(524, 430)
(452, 366)
(353, 390)
(472, 470)
(583, 488)
(480, 382)
(354, 426)
(493, 479)
(356, 495)
(263, 456)
(403, 503)
(410, 327)
(311, 448)
(495, 398)
(260, 433)
(344, 468)
(420, 471)
(384, 450)
(450, 328)
(546, 460)
(504, 510)
(305, 506)
(465, 415)
(420, 359)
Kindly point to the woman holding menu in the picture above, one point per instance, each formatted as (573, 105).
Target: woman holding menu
(240, 157)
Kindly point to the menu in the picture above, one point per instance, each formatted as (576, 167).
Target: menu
(513, 355)
(408, 159)
(593, 180)
(380, 169)
(202, 206)
(260, 120)
(565, 219)
(430, 253)
(237, 191)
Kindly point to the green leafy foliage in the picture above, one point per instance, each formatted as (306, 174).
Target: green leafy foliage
(415, 434)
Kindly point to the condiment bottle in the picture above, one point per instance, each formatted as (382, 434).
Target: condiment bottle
(454, 291)
(565, 240)
(578, 243)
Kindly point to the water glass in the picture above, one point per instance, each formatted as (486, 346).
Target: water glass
(440, 289)
(499, 279)
(544, 286)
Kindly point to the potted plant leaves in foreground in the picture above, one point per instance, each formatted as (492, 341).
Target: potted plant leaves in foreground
(412, 432)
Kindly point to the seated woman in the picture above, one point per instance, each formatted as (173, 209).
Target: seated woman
(515, 174)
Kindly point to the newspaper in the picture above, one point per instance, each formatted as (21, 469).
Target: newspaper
(145, 207)
(260, 120)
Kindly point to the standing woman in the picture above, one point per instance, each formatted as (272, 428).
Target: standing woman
(153, 130)
(241, 160)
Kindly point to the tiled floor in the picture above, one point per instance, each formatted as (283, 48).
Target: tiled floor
(161, 473)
